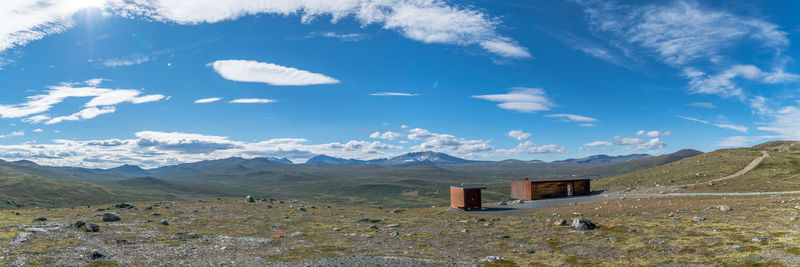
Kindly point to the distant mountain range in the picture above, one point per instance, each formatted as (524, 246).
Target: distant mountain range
(604, 159)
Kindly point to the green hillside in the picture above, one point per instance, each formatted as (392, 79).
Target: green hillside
(779, 171)
(27, 190)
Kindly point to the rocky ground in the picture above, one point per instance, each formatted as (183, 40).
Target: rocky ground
(742, 230)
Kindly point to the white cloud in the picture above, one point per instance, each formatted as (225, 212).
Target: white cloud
(683, 31)
(784, 121)
(254, 71)
(427, 21)
(572, 117)
(740, 141)
(521, 99)
(13, 134)
(723, 83)
(253, 101)
(37, 130)
(598, 143)
(586, 125)
(134, 59)
(528, 147)
(518, 134)
(652, 134)
(99, 97)
(702, 105)
(347, 37)
(731, 126)
(388, 135)
(207, 100)
(22, 22)
(94, 82)
(85, 114)
(392, 94)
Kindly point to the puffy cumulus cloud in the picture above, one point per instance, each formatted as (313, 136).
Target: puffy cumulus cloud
(528, 147)
(102, 101)
(154, 149)
(427, 21)
(387, 135)
(184, 142)
(518, 134)
(521, 99)
(636, 144)
(13, 134)
(652, 134)
(272, 74)
(597, 143)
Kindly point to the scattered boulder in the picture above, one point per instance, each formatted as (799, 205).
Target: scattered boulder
(337, 229)
(394, 234)
(698, 219)
(148, 207)
(301, 209)
(759, 239)
(491, 259)
(373, 227)
(250, 199)
(367, 220)
(35, 230)
(164, 222)
(40, 219)
(583, 224)
(394, 225)
(111, 217)
(297, 234)
(156, 214)
(560, 222)
(123, 206)
(92, 227)
(724, 208)
(502, 203)
(97, 255)
(79, 224)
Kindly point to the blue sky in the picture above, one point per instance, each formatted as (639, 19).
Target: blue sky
(157, 82)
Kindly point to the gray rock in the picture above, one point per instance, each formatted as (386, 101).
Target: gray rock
(367, 220)
(301, 209)
(250, 199)
(698, 219)
(148, 208)
(502, 203)
(560, 222)
(724, 208)
(583, 224)
(297, 234)
(394, 225)
(373, 227)
(164, 222)
(394, 234)
(759, 239)
(96, 255)
(123, 206)
(111, 217)
(35, 230)
(79, 224)
(92, 227)
(337, 229)
(491, 259)
(40, 219)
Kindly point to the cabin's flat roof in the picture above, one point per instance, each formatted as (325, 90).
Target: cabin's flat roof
(555, 180)
(468, 186)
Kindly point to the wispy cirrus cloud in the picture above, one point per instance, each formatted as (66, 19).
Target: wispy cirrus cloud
(22, 22)
(730, 126)
(272, 74)
(253, 101)
(393, 94)
(429, 21)
(207, 100)
(521, 99)
(102, 101)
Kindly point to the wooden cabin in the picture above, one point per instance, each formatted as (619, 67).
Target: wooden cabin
(549, 188)
(466, 197)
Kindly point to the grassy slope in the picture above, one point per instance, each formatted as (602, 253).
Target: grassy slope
(29, 190)
(778, 172)
(689, 170)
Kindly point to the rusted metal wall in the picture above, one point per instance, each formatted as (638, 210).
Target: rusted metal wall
(538, 189)
(521, 189)
(467, 199)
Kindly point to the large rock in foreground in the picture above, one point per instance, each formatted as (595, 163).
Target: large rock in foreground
(111, 217)
(583, 224)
